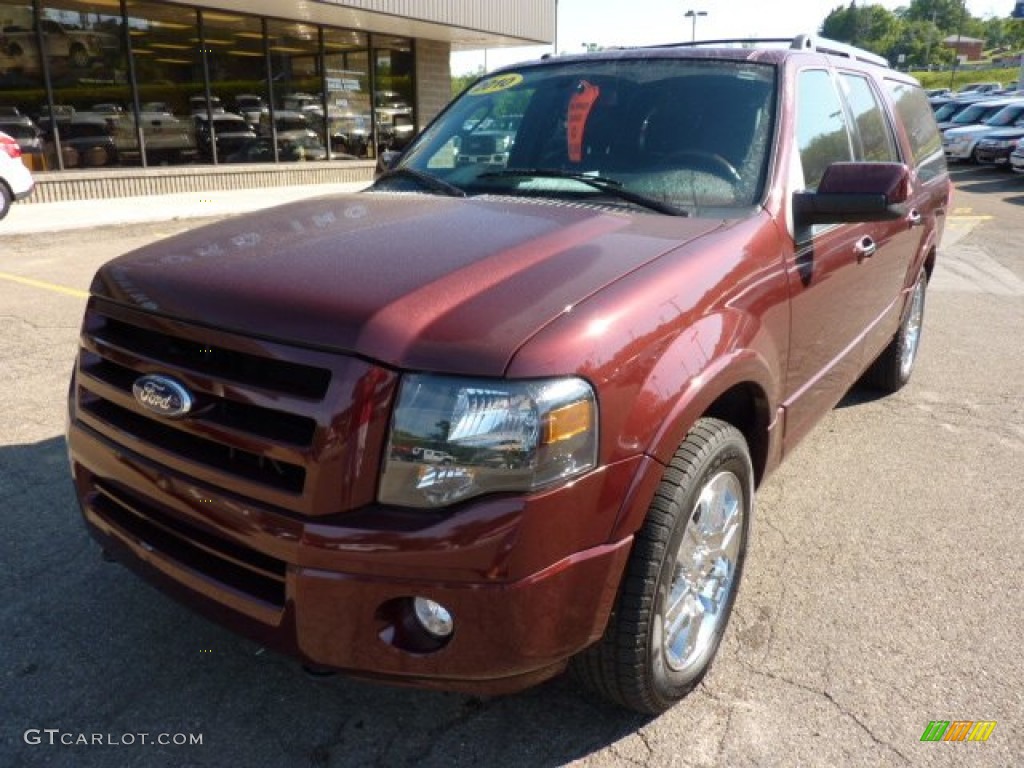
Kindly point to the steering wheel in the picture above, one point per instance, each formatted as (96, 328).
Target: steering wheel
(710, 161)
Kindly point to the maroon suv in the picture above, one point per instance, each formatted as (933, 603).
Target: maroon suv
(496, 415)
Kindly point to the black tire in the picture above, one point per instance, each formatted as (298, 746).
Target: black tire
(892, 369)
(6, 198)
(632, 665)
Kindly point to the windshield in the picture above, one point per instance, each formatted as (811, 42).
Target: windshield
(1007, 115)
(976, 114)
(948, 111)
(687, 133)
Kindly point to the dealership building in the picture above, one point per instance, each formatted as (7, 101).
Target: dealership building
(116, 97)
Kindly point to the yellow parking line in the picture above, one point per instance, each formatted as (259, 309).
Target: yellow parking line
(979, 217)
(44, 285)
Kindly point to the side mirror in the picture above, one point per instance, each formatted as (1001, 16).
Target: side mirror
(386, 161)
(851, 192)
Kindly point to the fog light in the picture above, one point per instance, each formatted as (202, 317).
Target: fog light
(433, 617)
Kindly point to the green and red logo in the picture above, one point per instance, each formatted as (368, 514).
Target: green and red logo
(958, 730)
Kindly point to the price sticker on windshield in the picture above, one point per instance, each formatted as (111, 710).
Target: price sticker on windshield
(496, 84)
(579, 111)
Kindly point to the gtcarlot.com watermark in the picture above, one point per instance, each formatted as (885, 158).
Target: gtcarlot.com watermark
(56, 737)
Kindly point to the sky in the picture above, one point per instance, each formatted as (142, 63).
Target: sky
(649, 22)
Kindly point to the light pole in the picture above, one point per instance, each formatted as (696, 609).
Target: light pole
(692, 15)
(959, 42)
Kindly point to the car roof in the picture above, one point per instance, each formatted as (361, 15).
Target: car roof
(761, 50)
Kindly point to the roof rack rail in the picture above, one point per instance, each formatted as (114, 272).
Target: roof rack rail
(835, 48)
(798, 43)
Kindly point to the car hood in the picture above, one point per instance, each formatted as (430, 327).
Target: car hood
(1012, 132)
(968, 131)
(412, 281)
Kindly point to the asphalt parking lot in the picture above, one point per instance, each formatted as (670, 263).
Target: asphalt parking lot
(883, 588)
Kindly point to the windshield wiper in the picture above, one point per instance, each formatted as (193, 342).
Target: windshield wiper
(425, 179)
(611, 187)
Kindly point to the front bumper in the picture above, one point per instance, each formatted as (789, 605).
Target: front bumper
(993, 155)
(958, 150)
(337, 593)
(1017, 161)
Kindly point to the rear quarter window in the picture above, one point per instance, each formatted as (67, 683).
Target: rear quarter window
(915, 113)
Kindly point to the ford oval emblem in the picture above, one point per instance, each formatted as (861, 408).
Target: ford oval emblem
(162, 395)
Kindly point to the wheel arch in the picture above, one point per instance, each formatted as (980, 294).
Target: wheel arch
(736, 391)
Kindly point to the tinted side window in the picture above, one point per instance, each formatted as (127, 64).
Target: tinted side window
(876, 141)
(822, 134)
(915, 113)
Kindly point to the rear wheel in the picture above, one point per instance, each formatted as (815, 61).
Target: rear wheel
(681, 579)
(891, 371)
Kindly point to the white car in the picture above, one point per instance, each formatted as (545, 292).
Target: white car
(960, 143)
(16, 181)
(1017, 157)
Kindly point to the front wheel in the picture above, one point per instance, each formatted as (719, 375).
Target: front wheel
(680, 583)
(891, 371)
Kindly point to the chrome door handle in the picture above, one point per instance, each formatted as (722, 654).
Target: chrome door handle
(865, 248)
(914, 218)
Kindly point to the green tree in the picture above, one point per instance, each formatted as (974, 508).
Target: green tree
(462, 82)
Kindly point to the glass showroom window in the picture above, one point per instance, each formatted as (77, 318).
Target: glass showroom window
(299, 120)
(393, 99)
(347, 83)
(22, 89)
(227, 123)
(83, 46)
(168, 72)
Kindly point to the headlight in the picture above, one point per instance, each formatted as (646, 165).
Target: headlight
(454, 438)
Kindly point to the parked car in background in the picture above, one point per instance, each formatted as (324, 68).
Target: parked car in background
(975, 114)
(77, 46)
(976, 88)
(16, 182)
(302, 102)
(961, 143)
(488, 141)
(251, 107)
(86, 141)
(1017, 157)
(230, 132)
(200, 105)
(23, 130)
(996, 147)
(168, 139)
(945, 109)
(260, 149)
(295, 134)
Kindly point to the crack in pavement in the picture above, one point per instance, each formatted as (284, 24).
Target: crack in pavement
(827, 696)
(720, 752)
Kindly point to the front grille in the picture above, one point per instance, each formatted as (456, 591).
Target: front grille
(275, 432)
(228, 459)
(240, 568)
(231, 365)
(254, 419)
(276, 425)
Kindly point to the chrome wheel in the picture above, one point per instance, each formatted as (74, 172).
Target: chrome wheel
(912, 331)
(682, 577)
(704, 574)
